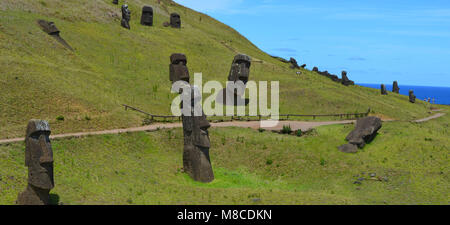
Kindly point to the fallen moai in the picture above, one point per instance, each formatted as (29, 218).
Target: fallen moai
(365, 131)
(39, 160)
(345, 80)
(50, 29)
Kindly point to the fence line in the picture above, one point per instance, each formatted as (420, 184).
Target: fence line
(153, 117)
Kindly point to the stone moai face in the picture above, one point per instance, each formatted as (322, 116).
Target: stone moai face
(178, 69)
(383, 90)
(175, 20)
(240, 68)
(412, 97)
(395, 87)
(147, 16)
(39, 155)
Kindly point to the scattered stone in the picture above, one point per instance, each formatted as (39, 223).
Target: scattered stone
(357, 182)
(175, 20)
(385, 179)
(383, 89)
(50, 29)
(372, 174)
(115, 2)
(147, 16)
(412, 97)
(126, 16)
(348, 148)
(166, 24)
(39, 160)
(256, 200)
(361, 179)
(395, 87)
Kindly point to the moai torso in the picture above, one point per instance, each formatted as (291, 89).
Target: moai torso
(383, 89)
(412, 97)
(39, 160)
(395, 87)
(147, 16)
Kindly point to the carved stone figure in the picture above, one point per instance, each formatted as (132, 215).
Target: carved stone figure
(196, 160)
(175, 20)
(315, 69)
(303, 66)
(147, 16)
(240, 68)
(50, 29)
(39, 160)
(412, 97)
(294, 64)
(395, 87)
(345, 81)
(178, 68)
(126, 16)
(365, 131)
(383, 89)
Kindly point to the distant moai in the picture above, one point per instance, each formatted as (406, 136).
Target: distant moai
(412, 97)
(115, 2)
(240, 68)
(303, 66)
(196, 160)
(147, 16)
(315, 69)
(345, 81)
(175, 20)
(126, 16)
(294, 64)
(395, 87)
(39, 160)
(383, 89)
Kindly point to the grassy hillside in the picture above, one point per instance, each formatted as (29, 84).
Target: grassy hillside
(410, 162)
(112, 66)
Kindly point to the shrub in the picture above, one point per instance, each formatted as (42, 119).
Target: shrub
(261, 130)
(298, 133)
(286, 129)
(269, 162)
(60, 118)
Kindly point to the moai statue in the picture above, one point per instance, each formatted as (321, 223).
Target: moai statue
(240, 71)
(115, 2)
(395, 87)
(175, 20)
(345, 81)
(240, 68)
(303, 66)
(412, 97)
(39, 160)
(315, 69)
(147, 16)
(126, 16)
(383, 89)
(294, 64)
(50, 29)
(196, 160)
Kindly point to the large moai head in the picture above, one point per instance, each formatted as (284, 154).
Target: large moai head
(147, 16)
(39, 155)
(240, 68)
(175, 20)
(178, 68)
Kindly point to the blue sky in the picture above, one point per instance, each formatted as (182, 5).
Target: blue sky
(376, 41)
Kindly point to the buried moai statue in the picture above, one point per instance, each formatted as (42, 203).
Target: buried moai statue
(240, 68)
(175, 20)
(412, 97)
(239, 72)
(395, 87)
(383, 89)
(196, 160)
(126, 16)
(39, 160)
(147, 16)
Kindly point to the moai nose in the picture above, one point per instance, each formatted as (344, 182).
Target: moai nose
(47, 154)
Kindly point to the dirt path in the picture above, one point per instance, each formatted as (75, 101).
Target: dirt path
(295, 125)
(429, 118)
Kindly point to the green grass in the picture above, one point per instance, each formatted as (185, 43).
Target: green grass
(145, 168)
(112, 66)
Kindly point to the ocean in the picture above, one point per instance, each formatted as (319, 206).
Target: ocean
(441, 95)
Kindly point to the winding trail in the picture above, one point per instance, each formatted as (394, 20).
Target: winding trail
(295, 125)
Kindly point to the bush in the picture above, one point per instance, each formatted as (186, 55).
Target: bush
(261, 130)
(298, 133)
(269, 162)
(60, 118)
(286, 129)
